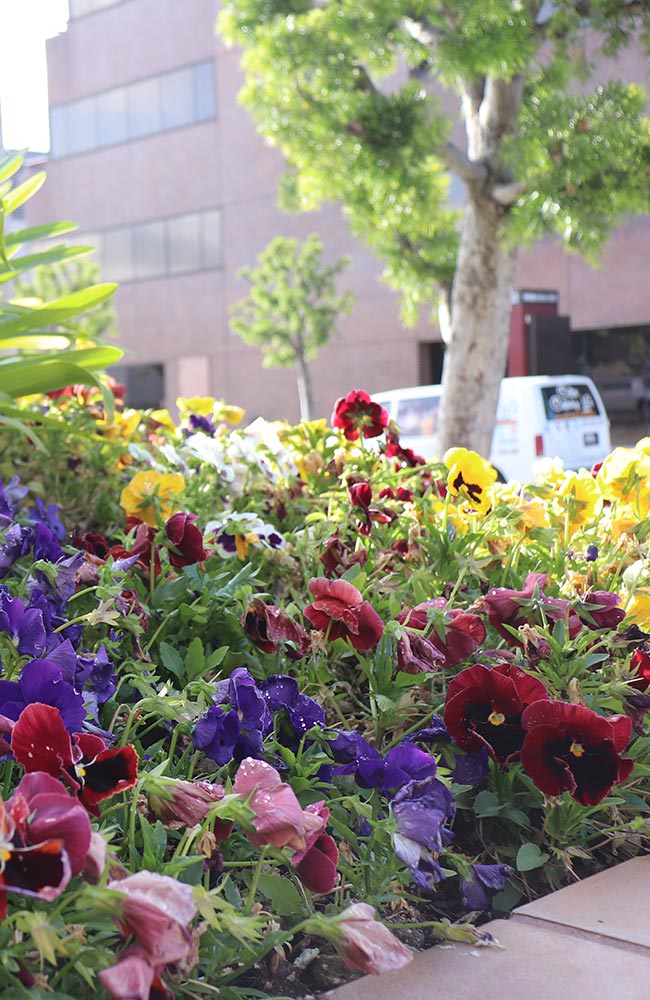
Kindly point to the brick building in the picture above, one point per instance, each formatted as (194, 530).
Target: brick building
(165, 174)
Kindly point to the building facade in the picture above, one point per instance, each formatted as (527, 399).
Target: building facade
(165, 174)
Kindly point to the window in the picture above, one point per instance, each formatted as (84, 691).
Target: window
(179, 245)
(563, 401)
(149, 250)
(144, 384)
(136, 110)
(418, 416)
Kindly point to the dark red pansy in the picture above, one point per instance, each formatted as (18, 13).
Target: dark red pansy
(404, 456)
(40, 742)
(356, 414)
(569, 748)
(143, 546)
(340, 610)
(339, 556)
(463, 632)
(640, 667)
(484, 708)
(514, 608)
(186, 539)
(270, 629)
(317, 869)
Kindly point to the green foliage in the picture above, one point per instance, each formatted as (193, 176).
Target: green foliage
(52, 281)
(347, 90)
(293, 306)
(53, 351)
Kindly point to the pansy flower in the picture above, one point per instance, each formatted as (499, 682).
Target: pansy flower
(44, 838)
(421, 809)
(150, 495)
(235, 534)
(366, 944)
(316, 864)
(238, 731)
(485, 882)
(42, 681)
(294, 713)
(569, 748)
(40, 742)
(421, 643)
(484, 707)
(470, 477)
(340, 610)
(338, 556)
(270, 629)
(24, 625)
(356, 414)
(278, 819)
(186, 540)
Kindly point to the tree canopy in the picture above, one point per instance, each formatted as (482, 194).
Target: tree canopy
(353, 93)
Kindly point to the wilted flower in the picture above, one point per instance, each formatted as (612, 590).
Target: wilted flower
(316, 864)
(367, 944)
(485, 883)
(356, 414)
(340, 609)
(279, 818)
(421, 810)
(569, 748)
(156, 910)
(186, 540)
(421, 643)
(176, 802)
(270, 629)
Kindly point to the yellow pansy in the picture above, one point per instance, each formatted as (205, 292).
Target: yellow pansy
(163, 418)
(470, 477)
(231, 414)
(578, 498)
(122, 426)
(149, 495)
(638, 608)
(203, 406)
(621, 521)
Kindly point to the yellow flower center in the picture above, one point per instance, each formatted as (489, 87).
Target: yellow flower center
(496, 718)
(577, 749)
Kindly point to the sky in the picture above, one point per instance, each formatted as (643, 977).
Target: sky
(24, 26)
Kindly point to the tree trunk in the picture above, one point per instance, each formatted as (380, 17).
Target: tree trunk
(305, 392)
(477, 348)
(479, 327)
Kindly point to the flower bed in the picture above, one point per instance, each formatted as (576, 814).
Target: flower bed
(282, 702)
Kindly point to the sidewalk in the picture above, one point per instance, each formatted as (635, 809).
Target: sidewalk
(590, 941)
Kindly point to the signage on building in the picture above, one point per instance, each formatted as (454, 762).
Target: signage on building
(530, 297)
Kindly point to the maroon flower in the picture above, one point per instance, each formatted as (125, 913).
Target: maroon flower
(44, 836)
(143, 546)
(527, 606)
(484, 708)
(640, 666)
(404, 456)
(360, 494)
(91, 542)
(356, 414)
(316, 864)
(186, 539)
(601, 609)
(569, 748)
(339, 607)
(269, 628)
(339, 556)
(40, 742)
(462, 632)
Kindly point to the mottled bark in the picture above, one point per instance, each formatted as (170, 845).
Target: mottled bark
(478, 330)
(305, 392)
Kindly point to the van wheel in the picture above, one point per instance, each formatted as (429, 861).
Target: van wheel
(500, 476)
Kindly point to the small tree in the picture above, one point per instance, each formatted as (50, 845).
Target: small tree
(292, 308)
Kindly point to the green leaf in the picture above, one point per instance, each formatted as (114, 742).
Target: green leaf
(172, 660)
(57, 310)
(23, 192)
(10, 166)
(284, 896)
(17, 265)
(195, 659)
(530, 857)
(216, 657)
(487, 804)
(20, 236)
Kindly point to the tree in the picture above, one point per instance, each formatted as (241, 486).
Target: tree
(50, 281)
(292, 308)
(350, 91)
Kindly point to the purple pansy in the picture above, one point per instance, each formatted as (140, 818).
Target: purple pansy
(484, 884)
(16, 540)
(240, 731)
(216, 734)
(43, 681)
(469, 768)
(24, 625)
(281, 692)
(420, 810)
(49, 516)
(356, 756)
(11, 494)
(45, 543)
(201, 423)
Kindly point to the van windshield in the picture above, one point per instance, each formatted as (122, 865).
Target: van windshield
(566, 400)
(418, 416)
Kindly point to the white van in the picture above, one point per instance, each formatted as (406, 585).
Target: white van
(538, 416)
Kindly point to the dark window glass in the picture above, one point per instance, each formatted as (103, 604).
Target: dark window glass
(564, 401)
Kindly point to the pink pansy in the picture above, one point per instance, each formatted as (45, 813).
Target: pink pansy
(340, 610)
(134, 978)
(279, 818)
(368, 945)
(156, 910)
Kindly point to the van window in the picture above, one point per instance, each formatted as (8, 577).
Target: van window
(418, 416)
(563, 401)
